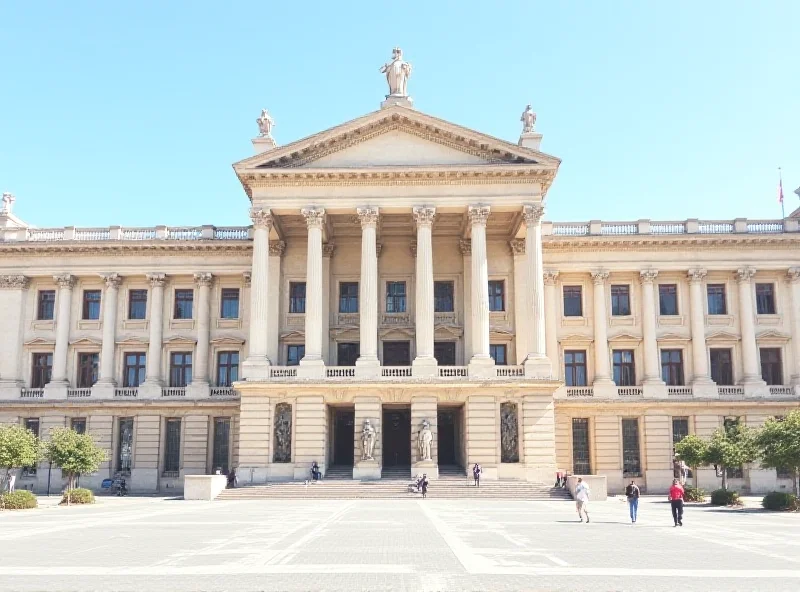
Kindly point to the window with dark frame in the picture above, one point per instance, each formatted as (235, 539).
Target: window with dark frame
(581, 459)
(297, 297)
(497, 351)
(88, 366)
(229, 303)
(184, 304)
(396, 353)
(134, 372)
(575, 367)
(497, 297)
(91, 305)
(295, 353)
(765, 299)
(445, 352)
(32, 425)
(137, 305)
(730, 423)
(395, 297)
(347, 353)
(573, 301)
(680, 429)
(443, 300)
(221, 451)
(180, 369)
(41, 369)
(716, 299)
(124, 458)
(667, 299)
(624, 367)
(348, 297)
(621, 301)
(46, 305)
(672, 367)
(172, 448)
(771, 365)
(78, 424)
(227, 368)
(721, 366)
(631, 454)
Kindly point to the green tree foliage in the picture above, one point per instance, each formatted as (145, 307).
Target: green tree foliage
(18, 448)
(731, 446)
(21, 499)
(693, 451)
(73, 453)
(779, 445)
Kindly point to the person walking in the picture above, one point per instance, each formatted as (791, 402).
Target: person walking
(632, 493)
(476, 474)
(676, 501)
(424, 485)
(582, 499)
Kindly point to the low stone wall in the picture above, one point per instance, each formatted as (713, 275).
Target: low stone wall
(203, 487)
(598, 491)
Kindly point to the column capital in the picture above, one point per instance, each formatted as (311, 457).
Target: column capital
(517, 246)
(112, 280)
(203, 279)
(648, 276)
(65, 280)
(423, 215)
(262, 218)
(793, 274)
(550, 276)
(696, 275)
(533, 214)
(465, 246)
(599, 277)
(367, 216)
(745, 274)
(276, 248)
(328, 249)
(478, 214)
(315, 217)
(157, 280)
(248, 278)
(14, 282)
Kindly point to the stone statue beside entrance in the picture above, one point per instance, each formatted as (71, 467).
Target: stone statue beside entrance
(368, 436)
(424, 440)
(397, 72)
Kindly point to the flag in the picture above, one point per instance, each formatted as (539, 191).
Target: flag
(780, 191)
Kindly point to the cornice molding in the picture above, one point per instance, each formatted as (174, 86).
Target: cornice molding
(14, 282)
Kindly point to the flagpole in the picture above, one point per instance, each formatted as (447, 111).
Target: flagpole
(780, 193)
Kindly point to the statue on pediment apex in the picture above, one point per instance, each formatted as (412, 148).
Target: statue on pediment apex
(528, 120)
(397, 72)
(265, 123)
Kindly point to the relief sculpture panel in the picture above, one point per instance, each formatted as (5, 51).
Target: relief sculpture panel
(283, 433)
(509, 433)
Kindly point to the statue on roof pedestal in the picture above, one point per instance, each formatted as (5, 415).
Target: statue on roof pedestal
(397, 72)
(265, 123)
(7, 203)
(528, 120)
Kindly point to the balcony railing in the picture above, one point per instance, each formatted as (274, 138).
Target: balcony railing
(580, 391)
(340, 371)
(730, 391)
(32, 393)
(509, 371)
(221, 392)
(452, 371)
(396, 371)
(630, 391)
(173, 391)
(118, 233)
(283, 372)
(679, 390)
(75, 393)
(781, 390)
(127, 392)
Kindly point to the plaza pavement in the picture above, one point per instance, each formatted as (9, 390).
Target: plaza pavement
(416, 545)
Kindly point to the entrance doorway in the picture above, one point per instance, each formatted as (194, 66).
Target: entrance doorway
(343, 436)
(449, 440)
(397, 437)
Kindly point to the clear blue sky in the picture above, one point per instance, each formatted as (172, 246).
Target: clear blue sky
(134, 115)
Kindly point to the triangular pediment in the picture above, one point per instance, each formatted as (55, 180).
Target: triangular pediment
(773, 335)
(227, 340)
(86, 341)
(674, 337)
(722, 337)
(622, 337)
(39, 341)
(179, 340)
(133, 341)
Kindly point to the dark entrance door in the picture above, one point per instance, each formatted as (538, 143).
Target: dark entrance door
(447, 420)
(343, 437)
(397, 437)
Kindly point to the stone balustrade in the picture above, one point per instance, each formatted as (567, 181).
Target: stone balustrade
(651, 227)
(119, 233)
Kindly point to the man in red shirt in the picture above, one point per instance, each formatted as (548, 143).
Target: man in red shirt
(676, 501)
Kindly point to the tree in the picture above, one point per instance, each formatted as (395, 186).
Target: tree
(731, 446)
(19, 448)
(779, 444)
(73, 453)
(693, 451)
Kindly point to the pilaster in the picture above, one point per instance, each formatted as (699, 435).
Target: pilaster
(480, 365)
(200, 386)
(12, 301)
(793, 277)
(702, 385)
(750, 359)
(517, 247)
(57, 387)
(653, 385)
(465, 247)
(312, 365)
(537, 365)
(276, 250)
(603, 385)
(550, 277)
(327, 254)
(151, 389)
(104, 387)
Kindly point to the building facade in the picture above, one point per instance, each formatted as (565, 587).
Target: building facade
(399, 305)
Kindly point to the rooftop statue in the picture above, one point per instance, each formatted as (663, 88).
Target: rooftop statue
(265, 123)
(528, 120)
(8, 203)
(397, 72)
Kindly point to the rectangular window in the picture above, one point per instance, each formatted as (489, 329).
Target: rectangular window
(721, 366)
(347, 353)
(729, 423)
(229, 303)
(41, 370)
(88, 365)
(631, 457)
(443, 297)
(46, 305)
(295, 353)
(396, 353)
(222, 438)
(395, 296)
(581, 461)
(91, 305)
(348, 296)
(180, 369)
(227, 368)
(137, 305)
(184, 301)
(575, 367)
(498, 353)
(667, 299)
(672, 367)
(624, 367)
(134, 371)
(445, 352)
(680, 429)
(32, 425)
(78, 424)
(620, 301)
(497, 300)
(125, 445)
(297, 297)
(716, 299)
(771, 366)
(765, 298)
(172, 448)
(573, 301)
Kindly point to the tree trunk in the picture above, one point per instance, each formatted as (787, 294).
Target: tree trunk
(725, 478)
(794, 481)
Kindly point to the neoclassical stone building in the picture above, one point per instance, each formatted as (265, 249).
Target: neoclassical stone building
(398, 270)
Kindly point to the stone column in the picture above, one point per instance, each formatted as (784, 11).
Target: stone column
(153, 381)
(537, 365)
(750, 358)
(368, 363)
(106, 382)
(256, 366)
(465, 246)
(551, 321)
(276, 249)
(793, 277)
(327, 253)
(424, 363)
(311, 364)
(367, 408)
(200, 385)
(58, 384)
(12, 327)
(520, 301)
(424, 408)
(602, 373)
(701, 381)
(481, 362)
(652, 375)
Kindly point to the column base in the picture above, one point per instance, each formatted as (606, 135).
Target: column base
(311, 368)
(200, 390)
(10, 390)
(706, 389)
(103, 390)
(654, 390)
(481, 367)
(424, 367)
(256, 368)
(604, 388)
(368, 368)
(756, 390)
(150, 390)
(366, 470)
(753, 381)
(538, 368)
(426, 467)
(56, 390)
